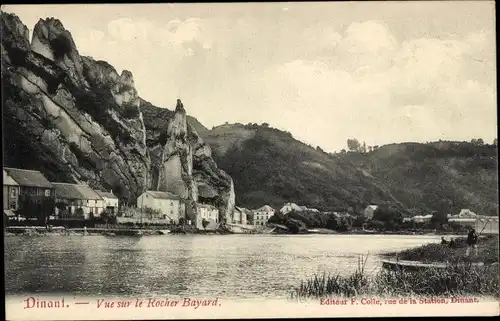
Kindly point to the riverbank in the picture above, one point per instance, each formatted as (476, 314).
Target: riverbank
(460, 278)
(487, 252)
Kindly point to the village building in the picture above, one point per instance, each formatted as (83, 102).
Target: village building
(262, 215)
(77, 201)
(209, 214)
(290, 207)
(369, 210)
(34, 188)
(466, 213)
(10, 194)
(110, 201)
(240, 215)
(169, 206)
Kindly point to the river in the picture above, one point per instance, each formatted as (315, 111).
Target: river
(228, 266)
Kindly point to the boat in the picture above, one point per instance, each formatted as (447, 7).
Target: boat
(395, 265)
(240, 228)
(164, 232)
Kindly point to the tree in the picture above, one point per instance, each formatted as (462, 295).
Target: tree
(370, 148)
(477, 142)
(495, 143)
(204, 223)
(364, 147)
(353, 145)
(266, 125)
(440, 215)
(79, 212)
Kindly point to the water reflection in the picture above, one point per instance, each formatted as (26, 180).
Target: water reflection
(224, 266)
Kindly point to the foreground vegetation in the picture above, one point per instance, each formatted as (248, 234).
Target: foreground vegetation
(487, 252)
(460, 278)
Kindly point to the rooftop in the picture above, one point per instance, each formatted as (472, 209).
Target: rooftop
(163, 195)
(266, 208)
(75, 191)
(106, 194)
(7, 180)
(211, 207)
(28, 178)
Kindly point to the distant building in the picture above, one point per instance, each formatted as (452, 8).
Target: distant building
(77, 201)
(262, 215)
(290, 207)
(170, 206)
(427, 218)
(209, 214)
(466, 213)
(240, 215)
(10, 193)
(33, 186)
(110, 201)
(369, 210)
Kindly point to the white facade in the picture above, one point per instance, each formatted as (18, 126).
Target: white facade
(369, 210)
(239, 216)
(169, 205)
(208, 212)
(262, 215)
(290, 207)
(110, 202)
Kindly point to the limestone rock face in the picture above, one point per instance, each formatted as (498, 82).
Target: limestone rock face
(78, 120)
(181, 162)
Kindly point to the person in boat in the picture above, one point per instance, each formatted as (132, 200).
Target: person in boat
(471, 242)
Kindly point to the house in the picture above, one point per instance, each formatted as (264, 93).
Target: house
(466, 213)
(10, 193)
(290, 207)
(418, 219)
(77, 201)
(240, 215)
(110, 201)
(34, 188)
(209, 214)
(170, 206)
(262, 215)
(427, 218)
(369, 210)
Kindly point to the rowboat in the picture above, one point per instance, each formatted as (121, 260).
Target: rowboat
(395, 265)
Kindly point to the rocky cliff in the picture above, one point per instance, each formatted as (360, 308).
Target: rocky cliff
(78, 120)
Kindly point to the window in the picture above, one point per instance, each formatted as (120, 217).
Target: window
(47, 192)
(12, 205)
(13, 192)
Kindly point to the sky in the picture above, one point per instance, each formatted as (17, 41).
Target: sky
(380, 72)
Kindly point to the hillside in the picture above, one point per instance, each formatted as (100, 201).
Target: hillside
(420, 175)
(269, 166)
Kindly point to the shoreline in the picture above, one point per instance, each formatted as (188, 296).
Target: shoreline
(42, 231)
(457, 278)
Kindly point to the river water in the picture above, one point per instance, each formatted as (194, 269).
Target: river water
(229, 266)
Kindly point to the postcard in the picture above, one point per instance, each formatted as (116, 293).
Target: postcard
(250, 160)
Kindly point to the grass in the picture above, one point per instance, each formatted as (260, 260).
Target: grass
(487, 252)
(459, 279)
